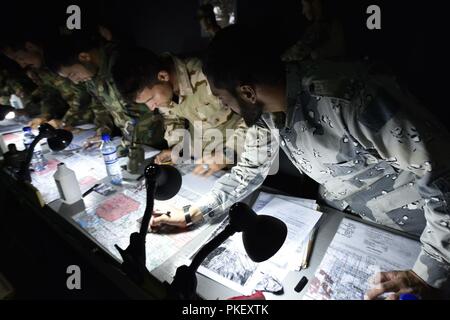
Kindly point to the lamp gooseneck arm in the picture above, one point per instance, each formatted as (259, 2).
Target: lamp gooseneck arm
(24, 172)
(151, 189)
(210, 247)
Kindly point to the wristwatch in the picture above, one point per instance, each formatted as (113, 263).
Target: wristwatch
(187, 216)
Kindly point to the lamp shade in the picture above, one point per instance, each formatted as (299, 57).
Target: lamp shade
(262, 235)
(168, 180)
(5, 111)
(60, 140)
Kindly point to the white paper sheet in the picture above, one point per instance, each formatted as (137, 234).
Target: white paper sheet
(358, 252)
(231, 266)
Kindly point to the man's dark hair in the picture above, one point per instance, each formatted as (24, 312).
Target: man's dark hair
(207, 11)
(238, 56)
(136, 69)
(64, 51)
(18, 40)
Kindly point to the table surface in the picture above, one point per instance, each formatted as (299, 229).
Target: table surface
(209, 289)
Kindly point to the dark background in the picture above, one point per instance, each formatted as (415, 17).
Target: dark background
(410, 42)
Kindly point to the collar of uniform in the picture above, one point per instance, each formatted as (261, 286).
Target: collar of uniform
(281, 120)
(184, 81)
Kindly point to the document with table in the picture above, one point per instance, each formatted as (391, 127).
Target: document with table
(357, 252)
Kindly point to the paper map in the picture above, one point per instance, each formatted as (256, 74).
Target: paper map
(116, 207)
(159, 246)
(87, 169)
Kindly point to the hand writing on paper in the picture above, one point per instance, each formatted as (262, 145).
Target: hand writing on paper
(93, 142)
(397, 283)
(176, 219)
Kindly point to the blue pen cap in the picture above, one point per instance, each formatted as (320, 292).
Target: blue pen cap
(408, 296)
(106, 137)
(26, 129)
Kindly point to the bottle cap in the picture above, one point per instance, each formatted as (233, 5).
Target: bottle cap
(106, 137)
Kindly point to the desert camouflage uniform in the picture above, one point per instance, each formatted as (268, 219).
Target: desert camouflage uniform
(375, 151)
(202, 109)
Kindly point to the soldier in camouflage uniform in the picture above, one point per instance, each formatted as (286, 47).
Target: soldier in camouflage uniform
(93, 69)
(62, 103)
(13, 81)
(183, 93)
(374, 151)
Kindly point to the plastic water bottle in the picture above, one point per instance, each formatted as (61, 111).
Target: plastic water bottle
(109, 152)
(38, 162)
(16, 102)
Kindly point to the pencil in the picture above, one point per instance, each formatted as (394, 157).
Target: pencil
(309, 248)
(168, 163)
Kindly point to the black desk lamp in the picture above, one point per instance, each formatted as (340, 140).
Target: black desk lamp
(7, 112)
(57, 139)
(262, 235)
(162, 183)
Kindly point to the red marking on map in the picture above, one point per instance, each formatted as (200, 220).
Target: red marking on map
(12, 138)
(116, 207)
(51, 167)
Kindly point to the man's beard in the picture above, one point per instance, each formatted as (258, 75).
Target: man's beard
(251, 113)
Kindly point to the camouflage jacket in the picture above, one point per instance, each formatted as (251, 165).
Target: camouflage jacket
(125, 117)
(17, 83)
(58, 94)
(375, 151)
(9, 85)
(202, 109)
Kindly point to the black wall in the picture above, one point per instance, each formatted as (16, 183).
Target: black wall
(412, 37)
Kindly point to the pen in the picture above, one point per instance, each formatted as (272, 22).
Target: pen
(158, 214)
(90, 190)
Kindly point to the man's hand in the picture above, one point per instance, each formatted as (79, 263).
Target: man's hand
(209, 165)
(36, 122)
(55, 123)
(93, 142)
(176, 219)
(397, 283)
(59, 124)
(164, 157)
